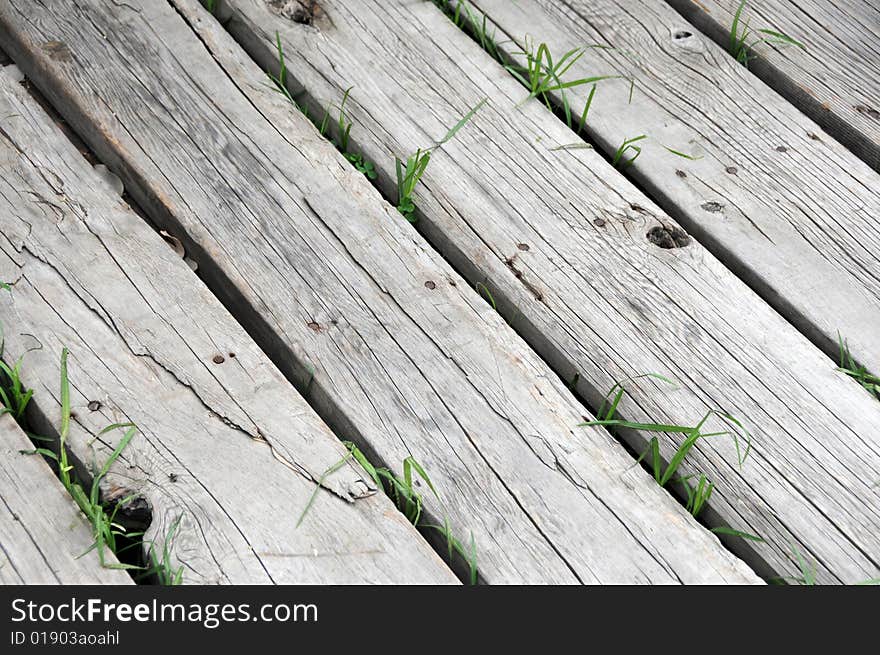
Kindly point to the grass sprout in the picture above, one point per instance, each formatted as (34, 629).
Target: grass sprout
(807, 573)
(619, 159)
(161, 565)
(698, 495)
(106, 532)
(409, 501)
(542, 76)
(859, 373)
(279, 81)
(483, 290)
(343, 122)
(473, 21)
(743, 39)
(410, 172)
(14, 395)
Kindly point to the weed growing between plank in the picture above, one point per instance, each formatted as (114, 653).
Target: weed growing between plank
(408, 175)
(698, 495)
(476, 27)
(484, 292)
(741, 45)
(807, 573)
(848, 365)
(108, 534)
(619, 160)
(402, 490)
(343, 123)
(14, 396)
(543, 76)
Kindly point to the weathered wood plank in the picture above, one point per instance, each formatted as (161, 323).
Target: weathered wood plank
(401, 354)
(225, 443)
(560, 240)
(835, 80)
(43, 536)
(788, 209)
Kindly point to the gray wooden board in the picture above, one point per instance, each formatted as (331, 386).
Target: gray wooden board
(228, 447)
(391, 346)
(789, 209)
(834, 79)
(590, 293)
(44, 539)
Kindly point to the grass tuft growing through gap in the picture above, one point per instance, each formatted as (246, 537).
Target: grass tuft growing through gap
(619, 160)
(743, 39)
(409, 173)
(464, 16)
(697, 496)
(14, 395)
(402, 490)
(343, 122)
(107, 533)
(542, 76)
(105, 530)
(483, 290)
(856, 371)
(162, 566)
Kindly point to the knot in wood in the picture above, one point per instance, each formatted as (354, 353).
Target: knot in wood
(668, 236)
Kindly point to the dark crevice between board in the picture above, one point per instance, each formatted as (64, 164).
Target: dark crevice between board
(860, 144)
(663, 236)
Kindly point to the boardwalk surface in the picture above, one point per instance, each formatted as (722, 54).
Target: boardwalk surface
(404, 356)
(588, 289)
(535, 276)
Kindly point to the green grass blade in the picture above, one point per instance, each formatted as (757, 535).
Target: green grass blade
(330, 471)
(464, 120)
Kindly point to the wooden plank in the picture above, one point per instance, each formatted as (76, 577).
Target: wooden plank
(402, 355)
(588, 290)
(788, 209)
(44, 539)
(835, 79)
(225, 444)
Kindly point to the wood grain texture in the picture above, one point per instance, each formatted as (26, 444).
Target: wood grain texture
(390, 344)
(225, 444)
(43, 536)
(560, 240)
(835, 79)
(787, 208)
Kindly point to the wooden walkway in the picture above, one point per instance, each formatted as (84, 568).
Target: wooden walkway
(250, 300)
